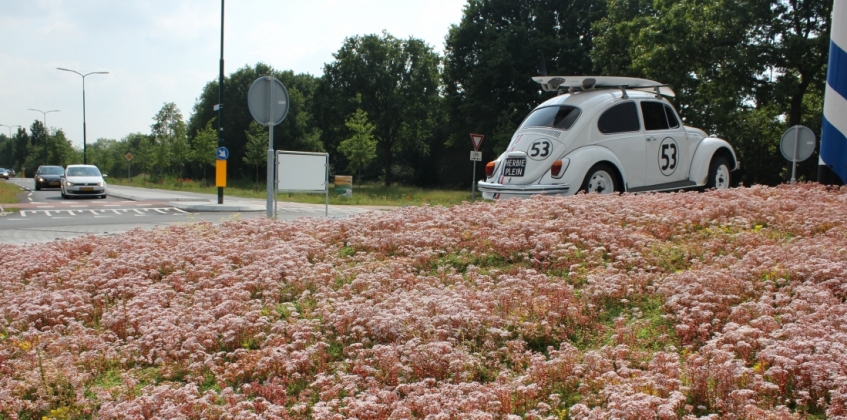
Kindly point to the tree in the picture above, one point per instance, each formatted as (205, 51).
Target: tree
(256, 152)
(204, 146)
(22, 148)
(360, 147)
(297, 132)
(168, 133)
(492, 54)
(398, 82)
(740, 69)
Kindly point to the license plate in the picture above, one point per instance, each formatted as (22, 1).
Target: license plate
(514, 167)
(54, 183)
(86, 189)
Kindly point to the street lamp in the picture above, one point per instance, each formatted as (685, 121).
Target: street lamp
(46, 130)
(10, 128)
(84, 156)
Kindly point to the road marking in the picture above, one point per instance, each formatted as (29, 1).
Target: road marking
(111, 205)
(161, 211)
(71, 212)
(138, 211)
(180, 210)
(47, 212)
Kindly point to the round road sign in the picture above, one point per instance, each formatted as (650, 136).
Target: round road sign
(268, 101)
(798, 142)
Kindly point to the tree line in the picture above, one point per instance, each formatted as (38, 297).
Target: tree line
(394, 110)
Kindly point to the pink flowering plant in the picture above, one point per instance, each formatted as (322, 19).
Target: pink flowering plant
(727, 304)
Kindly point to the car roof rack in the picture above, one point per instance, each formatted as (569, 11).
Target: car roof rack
(587, 83)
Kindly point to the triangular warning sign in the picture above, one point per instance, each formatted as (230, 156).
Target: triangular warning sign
(477, 140)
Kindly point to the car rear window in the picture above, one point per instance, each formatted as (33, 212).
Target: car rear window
(620, 118)
(559, 117)
(51, 170)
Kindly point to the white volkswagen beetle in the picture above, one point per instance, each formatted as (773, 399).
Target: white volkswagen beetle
(606, 135)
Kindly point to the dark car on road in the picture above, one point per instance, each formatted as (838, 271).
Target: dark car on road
(48, 176)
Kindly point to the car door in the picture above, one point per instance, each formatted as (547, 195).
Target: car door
(666, 145)
(620, 132)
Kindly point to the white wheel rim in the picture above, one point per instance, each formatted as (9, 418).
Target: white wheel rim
(722, 178)
(601, 183)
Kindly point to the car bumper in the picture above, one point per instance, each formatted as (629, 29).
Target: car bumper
(49, 184)
(84, 191)
(493, 189)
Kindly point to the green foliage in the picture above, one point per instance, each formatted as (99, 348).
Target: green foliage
(742, 70)
(296, 132)
(256, 153)
(398, 83)
(203, 147)
(360, 148)
(493, 52)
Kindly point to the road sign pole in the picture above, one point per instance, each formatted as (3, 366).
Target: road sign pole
(794, 162)
(271, 169)
(473, 183)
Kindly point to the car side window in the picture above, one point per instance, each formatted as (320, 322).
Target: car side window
(620, 118)
(672, 120)
(654, 116)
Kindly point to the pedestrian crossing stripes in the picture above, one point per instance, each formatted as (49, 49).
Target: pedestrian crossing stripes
(64, 213)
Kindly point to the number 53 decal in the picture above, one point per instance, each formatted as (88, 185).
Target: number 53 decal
(668, 156)
(540, 150)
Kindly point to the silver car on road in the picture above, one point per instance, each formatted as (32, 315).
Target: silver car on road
(83, 180)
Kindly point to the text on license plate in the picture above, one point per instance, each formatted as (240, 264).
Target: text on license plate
(86, 189)
(514, 167)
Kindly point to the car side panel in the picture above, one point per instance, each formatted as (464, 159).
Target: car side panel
(580, 161)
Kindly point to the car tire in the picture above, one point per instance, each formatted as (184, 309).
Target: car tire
(601, 179)
(720, 175)
(64, 196)
(103, 196)
(37, 188)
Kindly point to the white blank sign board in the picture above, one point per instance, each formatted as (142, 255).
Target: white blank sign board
(301, 171)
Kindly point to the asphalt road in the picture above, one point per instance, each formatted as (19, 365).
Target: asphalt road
(43, 216)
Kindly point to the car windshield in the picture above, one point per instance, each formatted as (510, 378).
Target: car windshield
(560, 117)
(51, 170)
(83, 171)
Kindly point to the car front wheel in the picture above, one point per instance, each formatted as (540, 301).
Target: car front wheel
(601, 179)
(719, 174)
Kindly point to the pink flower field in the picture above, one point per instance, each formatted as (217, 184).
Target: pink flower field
(721, 305)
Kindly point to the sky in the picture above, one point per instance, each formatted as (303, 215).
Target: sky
(160, 51)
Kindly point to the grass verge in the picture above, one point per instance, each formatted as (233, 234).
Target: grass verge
(363, 194)
(8, 193)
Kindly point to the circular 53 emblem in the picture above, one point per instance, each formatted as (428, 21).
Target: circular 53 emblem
(539, 150)
(668, 156)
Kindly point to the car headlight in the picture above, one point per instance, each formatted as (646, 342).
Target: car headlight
(40, 179)
(69, 184)
(100, 184)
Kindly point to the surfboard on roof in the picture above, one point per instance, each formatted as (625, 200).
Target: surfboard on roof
(584, 83)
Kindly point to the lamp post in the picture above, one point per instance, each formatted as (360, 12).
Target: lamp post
(84, 155)
(10, 128)
(46, 131)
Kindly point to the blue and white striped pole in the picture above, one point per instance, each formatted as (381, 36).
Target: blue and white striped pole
(832, 166)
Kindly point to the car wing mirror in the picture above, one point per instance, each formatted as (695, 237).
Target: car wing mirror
(105, 175)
